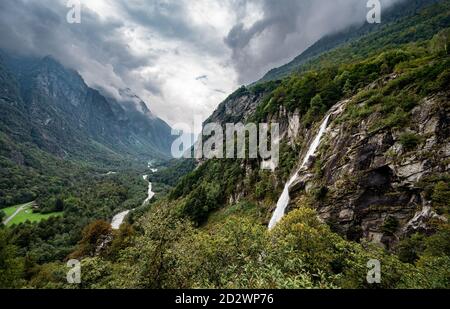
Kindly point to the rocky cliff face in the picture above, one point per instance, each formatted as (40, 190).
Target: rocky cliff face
(366, 183)
(373, 180)
(238, 107)
(371, 183)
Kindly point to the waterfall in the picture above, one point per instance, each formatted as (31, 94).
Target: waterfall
(285, 198)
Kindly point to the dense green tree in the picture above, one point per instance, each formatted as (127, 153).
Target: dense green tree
(2, 216)
(11, 264)
(59, 205)
(441, 42)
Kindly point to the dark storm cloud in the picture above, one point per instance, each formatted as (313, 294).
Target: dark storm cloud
(158, 47)
(40, 28)
(127, 47)
(287, 28)
(172, 21)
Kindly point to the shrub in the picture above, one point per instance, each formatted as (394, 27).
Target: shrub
(441, 196)
(397, 119)
(410, 141)
(390, 225)
(2, 216)
(439, 244)
(410, 249)
(93, 235)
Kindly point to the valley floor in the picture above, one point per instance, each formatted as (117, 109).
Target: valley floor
(23, 213)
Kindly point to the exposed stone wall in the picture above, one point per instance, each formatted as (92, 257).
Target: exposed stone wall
(373, 182)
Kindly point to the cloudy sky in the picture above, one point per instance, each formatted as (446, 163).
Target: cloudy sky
(183, 57)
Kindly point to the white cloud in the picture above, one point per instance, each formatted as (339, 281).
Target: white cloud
(177, 62)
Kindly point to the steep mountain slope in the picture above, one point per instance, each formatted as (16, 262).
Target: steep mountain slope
(68, 116)
(52, 125)
(404, 9)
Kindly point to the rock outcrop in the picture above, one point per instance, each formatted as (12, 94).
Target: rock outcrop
(373, 181)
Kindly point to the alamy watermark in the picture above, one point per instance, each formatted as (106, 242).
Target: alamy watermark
(74, 274)
(229, 141)
(74, 14)
(374, 271)
(374, 14)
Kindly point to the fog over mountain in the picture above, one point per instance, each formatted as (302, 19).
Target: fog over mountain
(160, 49)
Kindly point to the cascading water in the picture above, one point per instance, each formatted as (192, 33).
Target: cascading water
(285, 198)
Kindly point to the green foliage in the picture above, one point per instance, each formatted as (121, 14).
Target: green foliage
(242, 209)
(438, 245)
(441, 197)
(171, 173)
(263, 88)
(434, 272)
(205, 189)
(410, 141)
(440, 42)
(202, 201)
(49, 276)
(390, 225)
(431, 256)
(90, 199)
(301, 252)
(410, 249)
(317, 107)
(316, 89)
(121, 240)
(11, 266)
(2, 216)
(95, 272)
(288, 160)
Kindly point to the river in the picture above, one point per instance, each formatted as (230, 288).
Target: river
(120, 217)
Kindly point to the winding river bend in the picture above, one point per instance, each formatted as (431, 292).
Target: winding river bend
(151, 194)
(120, 217)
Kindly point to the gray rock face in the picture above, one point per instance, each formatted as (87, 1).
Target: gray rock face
(419, 223)
(236, 108)
(372, 182)
(372, 179)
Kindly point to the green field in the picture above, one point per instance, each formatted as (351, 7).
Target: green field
(26, 214)
(10, 210)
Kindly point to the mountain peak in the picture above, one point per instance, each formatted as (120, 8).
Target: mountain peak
(128, 96)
